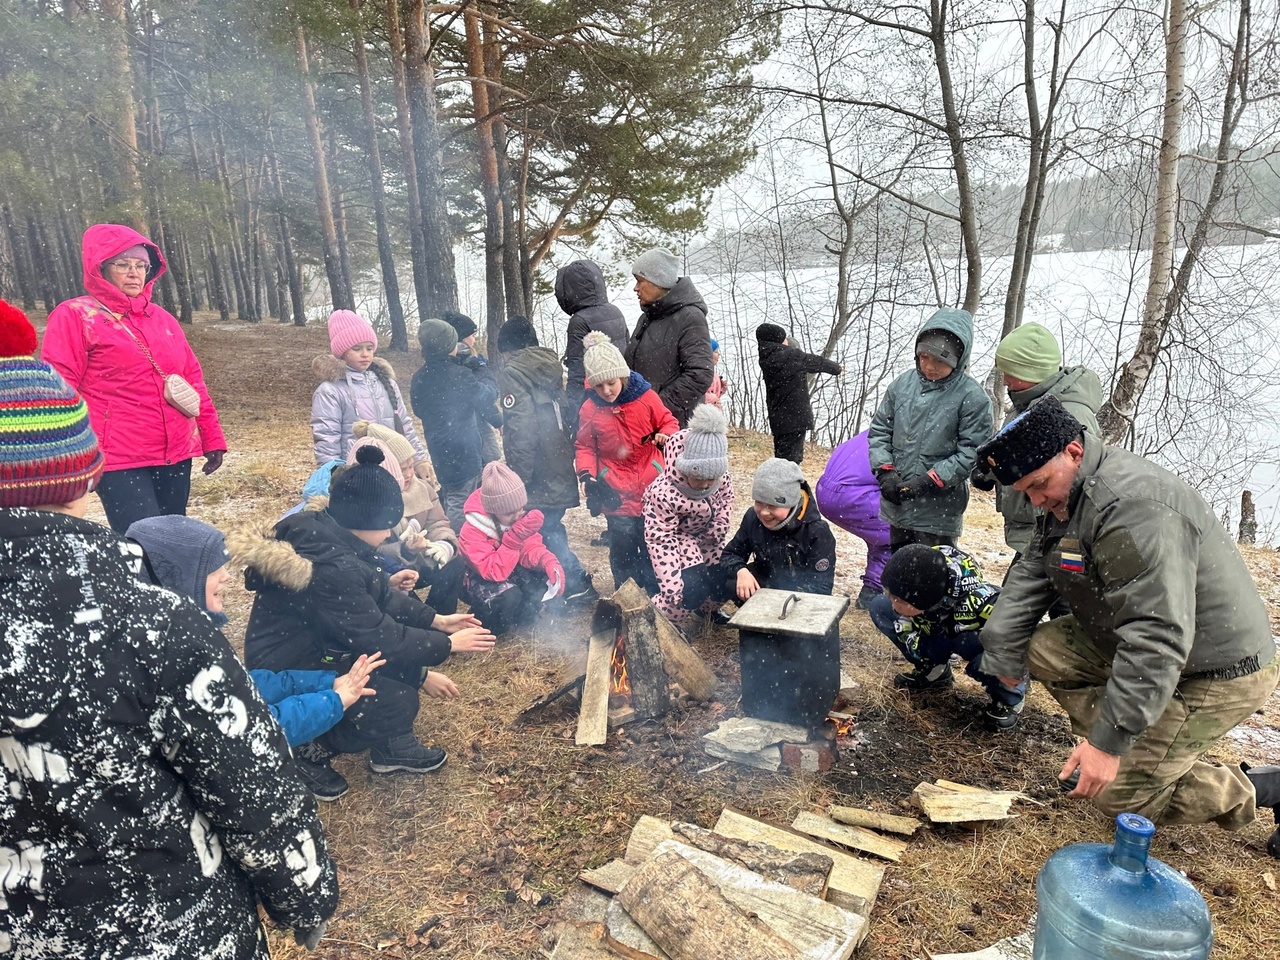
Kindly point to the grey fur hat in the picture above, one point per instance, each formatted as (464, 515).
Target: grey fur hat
(706, 445)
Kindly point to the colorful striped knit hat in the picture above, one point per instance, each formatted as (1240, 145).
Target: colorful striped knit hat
(48, 453)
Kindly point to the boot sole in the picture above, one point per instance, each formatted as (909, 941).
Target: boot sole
(329, 797)
(404, 767)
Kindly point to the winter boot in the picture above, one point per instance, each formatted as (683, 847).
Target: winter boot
(923, 678)
(324, 782)
(1266, 787)
(405, 753)
(865, 596)
(1003, 716)
(582, 594)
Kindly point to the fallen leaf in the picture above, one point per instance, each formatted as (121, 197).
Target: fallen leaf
(1269, 879)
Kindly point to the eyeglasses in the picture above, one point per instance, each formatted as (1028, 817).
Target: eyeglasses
(130, 266)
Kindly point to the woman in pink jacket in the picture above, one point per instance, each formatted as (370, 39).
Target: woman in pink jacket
(116, 348)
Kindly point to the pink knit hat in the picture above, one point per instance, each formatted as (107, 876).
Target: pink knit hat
(346, 329)
(389, 461)
(501, 490)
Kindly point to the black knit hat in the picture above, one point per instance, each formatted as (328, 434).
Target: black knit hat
(460, 322)
(365, 496)
(516, 334)
(918, 575)
(770, 333)
(1029, 441)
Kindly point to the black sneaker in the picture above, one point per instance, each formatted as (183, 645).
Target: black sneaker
(324, 782)
(405, 753)
(1003, 716)
(926, 678)
(583, 595)
(1266, 788)
(865, 596)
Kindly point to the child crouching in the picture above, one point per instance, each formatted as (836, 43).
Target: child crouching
(936, 602)
(509, 568)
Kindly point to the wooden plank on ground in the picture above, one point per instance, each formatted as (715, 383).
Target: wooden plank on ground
(686, 914)
(647, 833)
(887, 822)
(946, 804)
(853, 884)
(856, 838)
(593, 714)
(817, 929)
(610, 878)
(807, 872)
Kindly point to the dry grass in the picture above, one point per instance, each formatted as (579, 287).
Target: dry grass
(472, 861)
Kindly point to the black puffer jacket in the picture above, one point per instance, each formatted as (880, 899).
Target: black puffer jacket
(319, 590)
(452, 401)
(536, 437)
(150, 802)
(581, 293)
(786, 389)
(671, 348)
(799, 555)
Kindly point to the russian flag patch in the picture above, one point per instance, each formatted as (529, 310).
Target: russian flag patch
(1071, 562)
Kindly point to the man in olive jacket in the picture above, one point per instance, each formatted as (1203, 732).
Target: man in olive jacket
(1168, 645)
(671, 344)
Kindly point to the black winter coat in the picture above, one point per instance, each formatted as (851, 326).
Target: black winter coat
(786, 389)
(536, 436)
(451, 401)
(671, 348)
(320, 593)
(799, 555)
(150, 801)
(581, 293)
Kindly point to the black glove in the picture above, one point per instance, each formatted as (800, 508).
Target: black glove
(600, 496)
(921, 486)
(890, 488)
(982, 478)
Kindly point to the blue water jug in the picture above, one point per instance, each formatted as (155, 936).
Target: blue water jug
(1110, 902)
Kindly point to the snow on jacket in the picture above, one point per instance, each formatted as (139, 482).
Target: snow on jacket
(681, 532)
(615, 441)
(786, 385)
(491, 554)
(93, 341)
(671, 348)
(451, 402)
(1080, 392)
(924, 425)
(150, 798)
(345, 396)
(581, 292)
(798, 555)
(321, 599)
(847, 492)
(537, 439)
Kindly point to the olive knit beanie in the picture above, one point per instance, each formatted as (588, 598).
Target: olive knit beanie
(436, 338)
(1029, 353)
(706, 445)
(602, 360)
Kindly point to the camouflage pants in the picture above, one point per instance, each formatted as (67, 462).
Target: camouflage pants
(1163, 777)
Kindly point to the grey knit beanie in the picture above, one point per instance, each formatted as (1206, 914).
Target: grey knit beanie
(706, 445)
(778, 482)
(436, 338)
(660, 267)
(602, 360)
(181, 551)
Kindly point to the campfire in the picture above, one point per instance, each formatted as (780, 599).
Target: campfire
(619, 682)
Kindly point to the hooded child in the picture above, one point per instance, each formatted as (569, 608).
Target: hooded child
(510, 571)
(719, 388)
(786, 371)
(322, 599)
(687, 512)
(782, 543)
(935, 603)
(924, 439)
(355, 385)
(849, 497)
(622, 428)
(471, 358)
(582, 294)
(537, 439)
(152, 799)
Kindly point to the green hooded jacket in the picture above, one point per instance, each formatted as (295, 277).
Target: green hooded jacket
(924, 425)
(536, 437)
(1079, 391)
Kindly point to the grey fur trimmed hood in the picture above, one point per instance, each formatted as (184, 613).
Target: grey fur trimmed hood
(327, 367)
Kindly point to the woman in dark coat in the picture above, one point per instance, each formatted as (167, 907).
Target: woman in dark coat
(786, 389)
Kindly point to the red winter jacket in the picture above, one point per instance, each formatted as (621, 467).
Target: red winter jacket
(86, 341)
(615, 441)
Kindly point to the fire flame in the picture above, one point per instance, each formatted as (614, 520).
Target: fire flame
(843, 724)
(619, 682)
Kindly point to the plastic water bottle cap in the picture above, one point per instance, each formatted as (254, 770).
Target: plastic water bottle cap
(1136, 824)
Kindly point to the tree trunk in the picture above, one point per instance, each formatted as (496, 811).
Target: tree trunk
(386, 254)
(512, 275)
(43, 262)
(437, 236)
(408, 161)
(324, 201)
(340, 214)
(24, 272)
(294, 274)
(124, 125)
(1248, 520)
(487, 160)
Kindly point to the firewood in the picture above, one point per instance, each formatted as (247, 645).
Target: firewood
(610, 878)
(687, 915)
(574, 685)
(587, 942)
(647, 833)
(681, 663)
(857, 817)
(628, 937)
(806, 872)
(593, 715)
(947, 802)
(857, 838)
(646, 670)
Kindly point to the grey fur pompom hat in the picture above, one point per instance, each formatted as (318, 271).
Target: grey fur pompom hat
(706, 446)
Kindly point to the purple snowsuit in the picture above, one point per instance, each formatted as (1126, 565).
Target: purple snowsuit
(849, 497)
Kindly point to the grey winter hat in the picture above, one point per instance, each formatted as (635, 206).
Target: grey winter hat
(181, 551)
(706, 445)
(660, 267)
(436, 338)
(941, 345)
(602, 360)
(777, 481)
